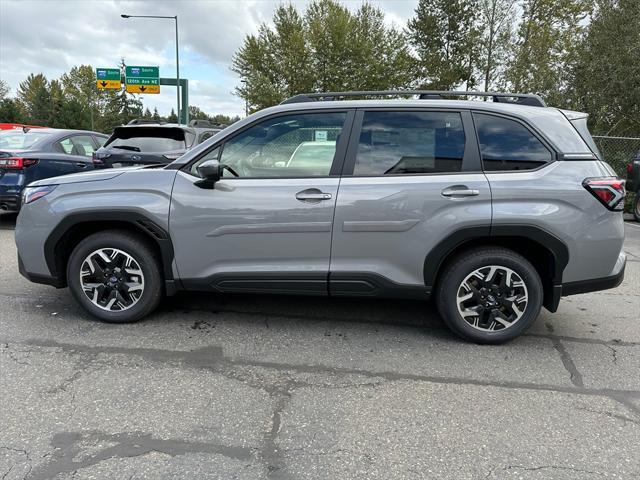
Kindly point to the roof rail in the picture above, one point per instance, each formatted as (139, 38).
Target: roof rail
(500, 97)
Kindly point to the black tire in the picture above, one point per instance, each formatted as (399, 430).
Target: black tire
(456, 272)
(636, 207)
(139, 250)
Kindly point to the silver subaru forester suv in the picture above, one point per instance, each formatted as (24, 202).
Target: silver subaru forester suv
(494, 208)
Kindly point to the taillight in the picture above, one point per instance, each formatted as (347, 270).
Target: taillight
(98, 157)
(17, 163)
(609, 190)
(629, 168)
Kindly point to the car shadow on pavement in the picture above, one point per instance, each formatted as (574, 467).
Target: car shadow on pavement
(395, 312)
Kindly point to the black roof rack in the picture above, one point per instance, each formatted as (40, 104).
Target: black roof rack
(500, 97)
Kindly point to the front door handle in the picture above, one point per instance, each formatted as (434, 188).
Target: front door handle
(460, 191)
(312, 195)
(81, 165)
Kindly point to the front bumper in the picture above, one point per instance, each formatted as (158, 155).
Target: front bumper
(37, 278)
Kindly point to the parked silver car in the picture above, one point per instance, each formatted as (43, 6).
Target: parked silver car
(494, 208)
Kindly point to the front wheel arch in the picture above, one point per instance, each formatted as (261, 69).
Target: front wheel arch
(75, 227)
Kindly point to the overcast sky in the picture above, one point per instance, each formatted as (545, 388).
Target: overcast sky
(51, 36)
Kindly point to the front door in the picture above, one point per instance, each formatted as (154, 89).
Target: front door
(268, 228)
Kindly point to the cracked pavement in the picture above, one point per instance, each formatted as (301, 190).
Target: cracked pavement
(265, 387)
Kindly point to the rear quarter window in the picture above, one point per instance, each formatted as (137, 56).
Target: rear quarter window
(507, 145)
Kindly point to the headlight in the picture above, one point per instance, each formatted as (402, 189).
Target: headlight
(31, 194)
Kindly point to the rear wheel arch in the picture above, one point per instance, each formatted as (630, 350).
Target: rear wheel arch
(546, 252)
(75, 227)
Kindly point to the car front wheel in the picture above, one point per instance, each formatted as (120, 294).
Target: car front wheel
(636, 209)
(115, 276)
(489, 295)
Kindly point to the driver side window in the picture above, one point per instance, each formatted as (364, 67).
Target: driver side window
(297, 145)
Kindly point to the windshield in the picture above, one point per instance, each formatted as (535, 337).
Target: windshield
(144, 139)
(18, 140)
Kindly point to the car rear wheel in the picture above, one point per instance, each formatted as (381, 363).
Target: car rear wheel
(489, 295)
(636, 209)
(115, 276)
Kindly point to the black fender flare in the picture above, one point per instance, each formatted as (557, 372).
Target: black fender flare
(439, 254)
(137, 220)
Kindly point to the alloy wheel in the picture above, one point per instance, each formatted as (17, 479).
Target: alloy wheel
(112, 279)
(492, 298)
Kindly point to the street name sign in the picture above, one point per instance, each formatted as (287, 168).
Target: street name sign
(108, 78)
(142, 79)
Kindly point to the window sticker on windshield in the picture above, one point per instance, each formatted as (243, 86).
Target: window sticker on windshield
(321, 135)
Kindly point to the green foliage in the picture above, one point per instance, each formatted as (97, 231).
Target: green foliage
(547, 38)
(496, 22)
(34, 95)
(445, 38)
(11, 111)
(4, 89)
(327, 48)
(605, 74)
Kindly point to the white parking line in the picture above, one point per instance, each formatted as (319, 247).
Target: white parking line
(637, 225)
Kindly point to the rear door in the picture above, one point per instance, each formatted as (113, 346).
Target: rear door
(269, 227)
(412, 177)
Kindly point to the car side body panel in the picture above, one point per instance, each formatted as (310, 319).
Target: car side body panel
(146, 193)
(554, 199)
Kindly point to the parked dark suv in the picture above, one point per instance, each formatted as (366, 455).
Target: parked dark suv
(633, 183)
(144, 142)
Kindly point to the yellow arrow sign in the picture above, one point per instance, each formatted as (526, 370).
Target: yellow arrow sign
(108, 84)
(142, 88)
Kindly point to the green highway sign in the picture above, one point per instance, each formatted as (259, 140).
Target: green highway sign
(108, 78)
(142, 81)
(108, 74)
(143, 72)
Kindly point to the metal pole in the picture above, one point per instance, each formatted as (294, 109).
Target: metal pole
(177, 73)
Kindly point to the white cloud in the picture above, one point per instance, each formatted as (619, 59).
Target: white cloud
(53, 36)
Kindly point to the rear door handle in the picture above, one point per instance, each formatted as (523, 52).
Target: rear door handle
(460, 191)
(312, 195)
(81, 165)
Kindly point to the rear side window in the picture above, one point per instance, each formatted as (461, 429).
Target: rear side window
(393, 143)
(508, 145)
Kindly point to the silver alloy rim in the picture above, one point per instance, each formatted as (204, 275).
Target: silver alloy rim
(112, 279)
(492, 298)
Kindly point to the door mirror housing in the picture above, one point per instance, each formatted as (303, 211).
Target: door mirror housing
(210, 172)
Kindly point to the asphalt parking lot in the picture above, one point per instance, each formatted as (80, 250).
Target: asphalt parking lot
(242, 387)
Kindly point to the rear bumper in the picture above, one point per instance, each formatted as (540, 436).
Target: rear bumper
(10, 203)
(596, 284)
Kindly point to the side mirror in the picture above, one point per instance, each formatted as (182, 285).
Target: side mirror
(210, 172)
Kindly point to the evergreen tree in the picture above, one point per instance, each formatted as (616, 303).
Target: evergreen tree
(34, 95)
(445, 38)
(172, 118)
(604, 77)
(156, 116)
(327, 48)
(11, 111)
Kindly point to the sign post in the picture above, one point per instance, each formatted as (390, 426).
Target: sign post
(142, 79)
(108, 78)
